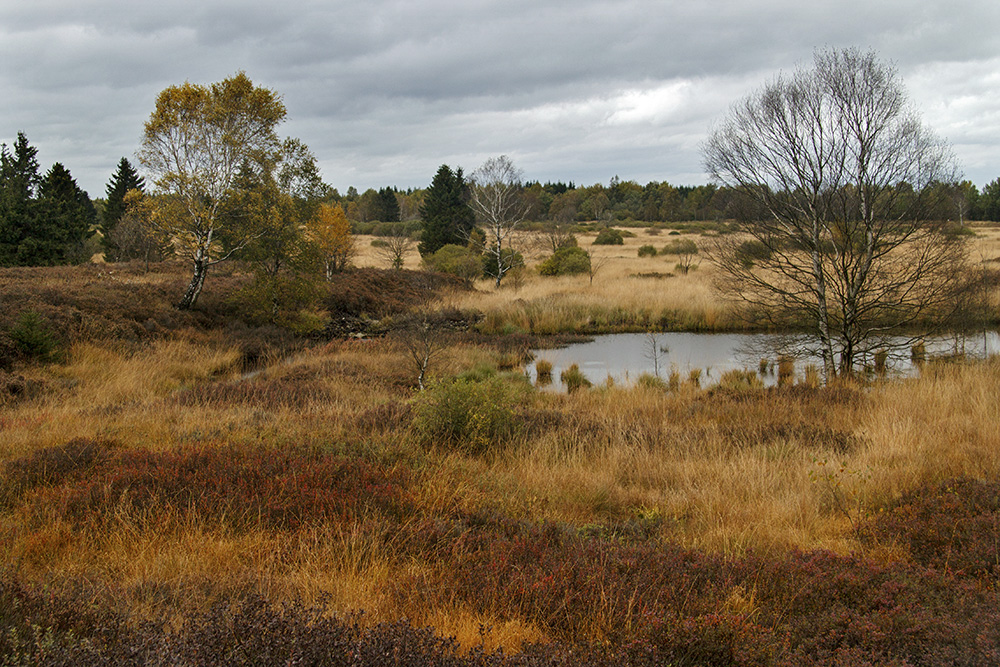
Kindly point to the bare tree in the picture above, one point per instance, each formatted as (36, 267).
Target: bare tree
(594, 264)
(423, 340)
(394, 247)
(836, 175)
(654, 351)
(497, 201)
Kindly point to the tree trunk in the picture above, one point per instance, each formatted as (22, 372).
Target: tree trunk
(194, 288)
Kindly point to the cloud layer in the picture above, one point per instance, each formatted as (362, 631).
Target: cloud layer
(385, 91)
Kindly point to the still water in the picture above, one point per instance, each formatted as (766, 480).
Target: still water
(624, 357)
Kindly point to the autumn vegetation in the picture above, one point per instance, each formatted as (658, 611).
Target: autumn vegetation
(186, 486)
(326, 451)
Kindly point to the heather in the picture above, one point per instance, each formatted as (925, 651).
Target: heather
(190, 488)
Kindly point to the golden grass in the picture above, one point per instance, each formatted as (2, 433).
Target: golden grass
(707, 470)
(764, 471)
(628, 292)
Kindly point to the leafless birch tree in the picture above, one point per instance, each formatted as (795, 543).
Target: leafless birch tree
(837, 176)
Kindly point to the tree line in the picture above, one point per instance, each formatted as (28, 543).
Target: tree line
(226, 186)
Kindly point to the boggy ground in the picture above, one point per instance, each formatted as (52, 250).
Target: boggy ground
(194, 490)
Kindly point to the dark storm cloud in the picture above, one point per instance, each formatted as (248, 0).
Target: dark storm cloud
(384, 91)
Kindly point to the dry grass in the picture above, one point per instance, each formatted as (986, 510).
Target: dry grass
(730, 472)
(628, 292)
(766, 470)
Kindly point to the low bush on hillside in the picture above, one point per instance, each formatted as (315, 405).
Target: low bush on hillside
(455, 260)
(647, 251)
(953, 527)
(680, 606)
(609, 236)
(571, 260)
(680, 247)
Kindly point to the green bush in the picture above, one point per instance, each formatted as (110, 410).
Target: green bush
(609, 236)
(647, 251)
(286, 301)
(511, 260)
(470, 416)
(33, 337)
(680, 247)
(650, 381)
(740, 380)
(455, 260)
(751, 252)
(566, 261)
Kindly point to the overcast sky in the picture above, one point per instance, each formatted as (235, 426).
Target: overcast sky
(385, 91)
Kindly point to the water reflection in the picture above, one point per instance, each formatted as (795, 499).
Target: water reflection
(624, 357)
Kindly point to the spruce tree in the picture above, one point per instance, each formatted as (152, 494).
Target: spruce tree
(18, 185)
(124, 179)
(388, 207)
(65, 219)
(447, 217)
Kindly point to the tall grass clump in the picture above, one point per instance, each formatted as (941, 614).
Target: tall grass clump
(574, 379)
(786, 370)
(543, 369)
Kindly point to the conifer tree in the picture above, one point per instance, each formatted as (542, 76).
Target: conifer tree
(124, 179)
(446, 214)
(66, 218)
(18, 185)
(388, 207)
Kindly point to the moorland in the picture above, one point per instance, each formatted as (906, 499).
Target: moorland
(185, 487)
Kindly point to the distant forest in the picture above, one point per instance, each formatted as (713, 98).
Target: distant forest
(628, 202)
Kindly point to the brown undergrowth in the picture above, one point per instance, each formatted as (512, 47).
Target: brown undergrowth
(161, 499)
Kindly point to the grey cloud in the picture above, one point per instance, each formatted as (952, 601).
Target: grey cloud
(384, 91)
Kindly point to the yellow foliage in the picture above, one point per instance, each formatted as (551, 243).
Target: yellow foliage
(331, 231)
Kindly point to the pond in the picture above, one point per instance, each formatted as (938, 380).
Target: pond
(624, 357)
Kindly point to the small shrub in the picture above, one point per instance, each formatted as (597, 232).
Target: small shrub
(740, 380)
(455, 260)
(647, 251)
(511, 259)
(786, 370)
(751, 252)
(574, 379)
(543, 370)
(674, 381)
(281, 490)
(812, 378)
(52, 465)
(570, 260)
(470, 416)
(479, 373)
(954, 527)
(33, 336)
(881, 362)
(609, 236)
(381, 292)
(680, 247)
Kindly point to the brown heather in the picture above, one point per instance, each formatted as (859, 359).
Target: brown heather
(195, 491)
